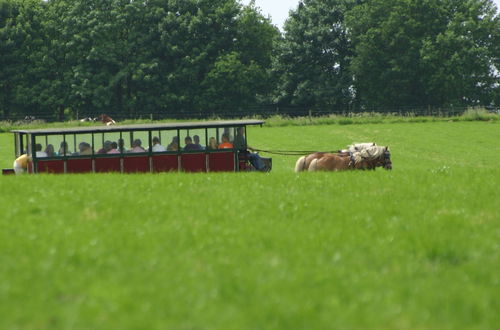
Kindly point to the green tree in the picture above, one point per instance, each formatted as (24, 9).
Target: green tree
(21, 36)
(132, 57)
(242, 77)
(314, 56)
(424, 52)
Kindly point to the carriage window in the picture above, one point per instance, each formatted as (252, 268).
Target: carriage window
(44, 146)
(107, 143)
(226, 137)
(240, 141)
(28, 146)
(135, 142)
(54, 143)
(19, 144)
(164, 140)
(212, 139)
(227, 131)
(81, 144)
(192, 139)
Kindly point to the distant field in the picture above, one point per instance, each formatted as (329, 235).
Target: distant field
(414, 248)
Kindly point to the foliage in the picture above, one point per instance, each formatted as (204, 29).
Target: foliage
(93, 56)
(415, 52)
(314, 56)
(279, 121)
(77, 58)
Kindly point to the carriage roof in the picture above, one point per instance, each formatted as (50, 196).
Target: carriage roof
(140, 127)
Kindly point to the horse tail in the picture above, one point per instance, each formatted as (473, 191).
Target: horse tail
(300, 164)
(314, 165)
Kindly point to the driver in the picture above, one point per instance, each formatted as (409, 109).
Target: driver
(240, 144)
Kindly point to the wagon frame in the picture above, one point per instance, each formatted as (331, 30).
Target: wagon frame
(204, 160)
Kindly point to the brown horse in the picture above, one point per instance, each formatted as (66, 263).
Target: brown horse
(303, 163)
(338, 162)
(366, 159)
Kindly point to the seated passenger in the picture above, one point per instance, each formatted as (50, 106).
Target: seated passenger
(197, 144)
(189, 144)
(157, 147)
(114, 148)
(136, 146)
(227, 131)
(49, 150)
(85, 149)
(174, 145)
(212, 144)
(63, 150)
(225, 142)
(39, 152)
(106, 147)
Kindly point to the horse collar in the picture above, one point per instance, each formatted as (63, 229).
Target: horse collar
(352, 160)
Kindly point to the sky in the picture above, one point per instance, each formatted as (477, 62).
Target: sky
(278, 9)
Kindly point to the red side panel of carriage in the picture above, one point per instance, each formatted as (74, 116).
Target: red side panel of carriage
(50, 166)
(221, 161)
(107, 164)
(165, 163)
(31, 167)
(8, 171)
(196, 162)
(136, 164)
(79, 165)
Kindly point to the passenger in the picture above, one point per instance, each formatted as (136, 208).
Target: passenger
(240, 144)
(197, 144)
(225, 142)
(64, 149)
(174, 145)
(136, 146)
(106, 147)
(227, 131)
(39, 152)
(157, 147)
(21, 164)
(114, 148)
(189, 144)
(50, 151)
(85, 149)
(212, 144)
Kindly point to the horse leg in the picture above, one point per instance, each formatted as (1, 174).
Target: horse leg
(314, 165)
(300, 165)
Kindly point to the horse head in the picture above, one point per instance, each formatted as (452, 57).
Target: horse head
(381, 158)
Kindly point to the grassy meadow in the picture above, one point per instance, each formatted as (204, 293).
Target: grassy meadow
(412, 248)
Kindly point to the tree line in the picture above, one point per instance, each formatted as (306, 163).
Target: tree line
(204, 56)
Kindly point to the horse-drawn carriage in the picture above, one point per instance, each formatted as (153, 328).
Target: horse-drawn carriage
(185, 147)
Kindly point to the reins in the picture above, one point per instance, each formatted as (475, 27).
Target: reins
(292, 152)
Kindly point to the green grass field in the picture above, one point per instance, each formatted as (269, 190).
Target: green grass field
(414, 248)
